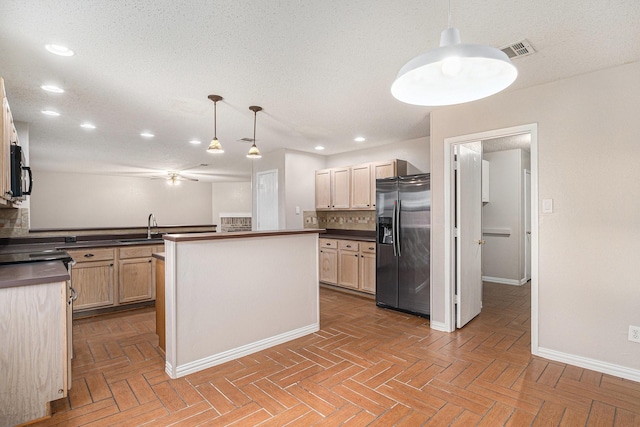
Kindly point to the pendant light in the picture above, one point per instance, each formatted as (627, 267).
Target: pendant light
(214, 146)
(454, 73)
(254, 153)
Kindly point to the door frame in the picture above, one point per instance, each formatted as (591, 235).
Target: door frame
(449, 246)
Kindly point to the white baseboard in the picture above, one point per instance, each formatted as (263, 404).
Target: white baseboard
(594, 365)
(234, 353)
(503, 281)
(438, 326)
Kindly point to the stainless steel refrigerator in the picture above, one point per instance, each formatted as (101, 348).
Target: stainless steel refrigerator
(403, 256)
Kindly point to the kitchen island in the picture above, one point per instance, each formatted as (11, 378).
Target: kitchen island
(232, 294)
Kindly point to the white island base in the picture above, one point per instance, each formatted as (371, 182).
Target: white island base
(232, 294)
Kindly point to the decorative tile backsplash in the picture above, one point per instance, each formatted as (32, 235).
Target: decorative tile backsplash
(14, 222)
(342, 220)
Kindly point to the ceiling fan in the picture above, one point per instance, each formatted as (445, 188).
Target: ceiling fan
(174, 178)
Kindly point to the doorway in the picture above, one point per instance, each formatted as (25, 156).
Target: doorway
(455, 291)
(267, 200)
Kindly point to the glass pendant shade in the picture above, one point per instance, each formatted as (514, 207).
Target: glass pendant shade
(454, 73)
(254, 153)
(215, 147)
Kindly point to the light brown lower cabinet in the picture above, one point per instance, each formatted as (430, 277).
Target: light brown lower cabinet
(328, 261)
(367, 278)
(115, 276)
(93, 277)
(349, 264)
(34, 351)
(160, 305)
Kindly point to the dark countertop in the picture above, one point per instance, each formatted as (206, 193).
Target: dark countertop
(358, 235)
(34, 273)
(47, 246)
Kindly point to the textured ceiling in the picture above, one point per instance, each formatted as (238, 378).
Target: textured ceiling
(320, 69)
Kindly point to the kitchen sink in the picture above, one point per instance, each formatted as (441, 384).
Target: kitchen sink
(143, 240)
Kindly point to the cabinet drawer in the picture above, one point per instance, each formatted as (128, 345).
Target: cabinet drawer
(348, 245)
(92, 254)
(135, 252)
(328, 243)
(368, 247)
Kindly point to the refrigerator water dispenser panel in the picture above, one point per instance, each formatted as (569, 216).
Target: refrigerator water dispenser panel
(385, 230)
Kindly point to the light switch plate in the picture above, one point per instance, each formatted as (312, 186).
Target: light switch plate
(547, 205)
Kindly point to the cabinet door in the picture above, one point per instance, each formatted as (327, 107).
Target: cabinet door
(380, 170)
(329, 266)
(368, 272)
(340, 188)
(5, 171)
(136, 276)
(361, 187)
(94, 283)
(323, 189)
(348, 262)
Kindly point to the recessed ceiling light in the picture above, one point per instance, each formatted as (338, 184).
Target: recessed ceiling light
(56, 49)
(87, 126)
(195, 142)
(319, 147)
(50, 113)
(52, 88)
(147, 134)
(359, 139)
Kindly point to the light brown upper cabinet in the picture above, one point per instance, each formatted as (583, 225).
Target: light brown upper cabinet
(340, 188)
(354, 187)
(9, 136)
(323, 189)
(385, 169)
(361, 186)
(333, 188)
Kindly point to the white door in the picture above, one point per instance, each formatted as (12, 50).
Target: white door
(527, 225)
(468, 214)
(267, 200)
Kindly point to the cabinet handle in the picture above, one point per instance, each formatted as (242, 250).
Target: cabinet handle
(74, 293)
(371, 249)
(348, 246)
(110, 265)
(88, 255)
(149, 260)
(356, 255)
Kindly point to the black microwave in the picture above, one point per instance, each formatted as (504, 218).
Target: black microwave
(21, 178)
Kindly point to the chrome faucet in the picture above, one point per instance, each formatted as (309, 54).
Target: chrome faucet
(151, 220)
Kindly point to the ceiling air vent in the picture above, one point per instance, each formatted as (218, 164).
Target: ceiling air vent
(518, 49)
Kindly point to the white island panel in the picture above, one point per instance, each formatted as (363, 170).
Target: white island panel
(227, 298)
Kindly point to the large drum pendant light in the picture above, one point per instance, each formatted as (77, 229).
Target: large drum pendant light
(454, 73)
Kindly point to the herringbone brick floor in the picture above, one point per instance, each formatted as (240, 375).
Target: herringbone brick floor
(366, 366)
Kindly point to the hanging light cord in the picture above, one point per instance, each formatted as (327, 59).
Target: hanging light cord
(255, 116)
(215, 114)
(449, 21)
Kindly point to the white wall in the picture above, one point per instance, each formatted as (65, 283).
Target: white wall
(230, 197)
(588, 155)
(414, 151)
(502, 255)
(300, 181)
(68, 200)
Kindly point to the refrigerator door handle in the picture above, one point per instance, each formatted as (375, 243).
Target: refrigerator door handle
(398, 228)
(393, 228)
